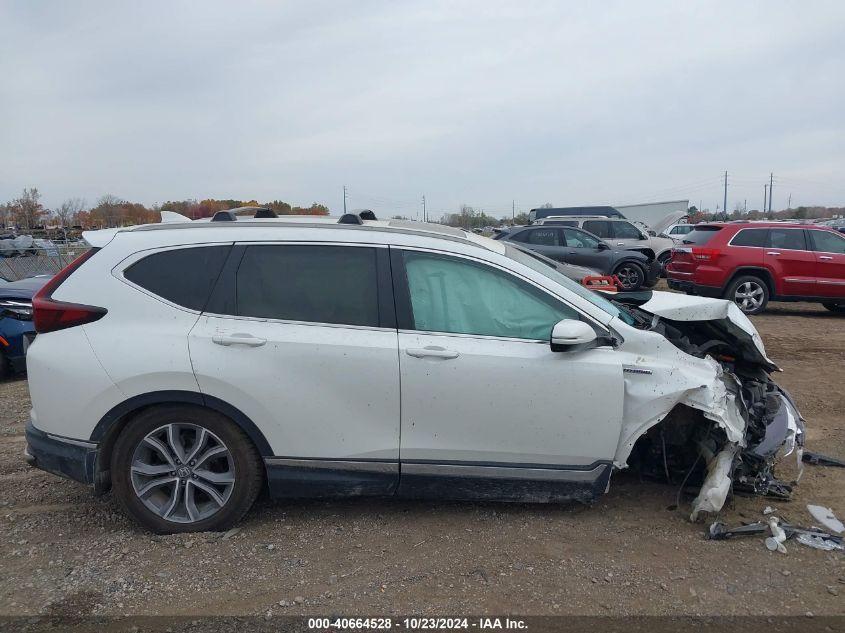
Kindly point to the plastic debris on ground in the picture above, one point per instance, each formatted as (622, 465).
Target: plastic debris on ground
(826, 518)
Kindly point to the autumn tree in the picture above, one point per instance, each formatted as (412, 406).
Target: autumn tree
(27, 210)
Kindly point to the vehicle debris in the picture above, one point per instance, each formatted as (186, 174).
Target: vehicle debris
(817, 459)
(826, 518)
(817, 539)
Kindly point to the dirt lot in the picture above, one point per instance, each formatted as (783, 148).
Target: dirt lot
(63, 552)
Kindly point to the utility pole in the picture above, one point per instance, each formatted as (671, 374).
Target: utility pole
(789, 204)
(771, 183)
(344, 198)
(513, 211)
(725, 202)
(765, 189)
(425, 217)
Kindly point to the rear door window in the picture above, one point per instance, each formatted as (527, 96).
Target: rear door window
(787, 239)
(597, 227)
(750, 237)
(700, 235)
(543, 237)
(318, 284)
(184, 276)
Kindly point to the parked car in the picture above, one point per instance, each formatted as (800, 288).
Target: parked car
(676, 232)
(619, 232)
(575, 246)
(16, 327)
(752, 263)
(601, 211)
(270, 360)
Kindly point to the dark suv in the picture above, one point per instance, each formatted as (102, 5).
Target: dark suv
(753, 263)
(576, 246)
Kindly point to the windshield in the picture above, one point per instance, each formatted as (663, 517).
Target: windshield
(548, 268)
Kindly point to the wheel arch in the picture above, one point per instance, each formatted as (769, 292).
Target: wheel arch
(755, 271)
(109, 427)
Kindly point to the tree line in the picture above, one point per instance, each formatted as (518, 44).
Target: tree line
(27, 212)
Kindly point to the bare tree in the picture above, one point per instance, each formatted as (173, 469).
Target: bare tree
(68, 210)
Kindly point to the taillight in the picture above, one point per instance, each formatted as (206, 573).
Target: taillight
(706, 254)
(49, 315)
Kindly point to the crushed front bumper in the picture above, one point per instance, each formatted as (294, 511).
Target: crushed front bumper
(62, 456)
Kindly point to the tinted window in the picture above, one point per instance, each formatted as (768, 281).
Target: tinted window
(683, 229)
(625, 231)
(700, 235)
(597, 227)
(184, 276)
(828, 242)
(320, 284)
(579, 239)
(543, 237)
(455, 295)
(750, 237)
(787, 239)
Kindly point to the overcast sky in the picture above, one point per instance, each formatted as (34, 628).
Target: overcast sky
(479, 103)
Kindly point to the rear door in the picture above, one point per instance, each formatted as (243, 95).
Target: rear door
(791, 262)
(544, 239)
(829, 250)
(599, 228)
(301, 338)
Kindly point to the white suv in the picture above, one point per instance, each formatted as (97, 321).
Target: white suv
(187, 365)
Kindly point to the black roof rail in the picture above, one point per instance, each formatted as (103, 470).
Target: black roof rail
(264, 212)
(224, 216)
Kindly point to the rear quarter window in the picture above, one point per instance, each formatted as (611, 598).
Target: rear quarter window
(184, 276)
(701, 235)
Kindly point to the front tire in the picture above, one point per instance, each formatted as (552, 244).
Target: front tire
(748, 292)
(631, 276)
(182, 468)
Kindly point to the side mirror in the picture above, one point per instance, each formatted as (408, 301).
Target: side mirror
(603, 246)
(570, 333)
(652, 233)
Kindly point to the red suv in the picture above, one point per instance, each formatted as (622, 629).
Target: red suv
(753, 263)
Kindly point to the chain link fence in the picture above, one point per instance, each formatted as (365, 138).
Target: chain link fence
(40, 260)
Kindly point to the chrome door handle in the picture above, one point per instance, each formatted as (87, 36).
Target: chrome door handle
(772, 253)
(825, 257)
(431, 352)
(238, 339)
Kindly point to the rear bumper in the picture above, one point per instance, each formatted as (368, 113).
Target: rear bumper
(694, 289)
(62, 456)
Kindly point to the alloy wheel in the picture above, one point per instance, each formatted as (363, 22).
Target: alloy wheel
(629, 277)
(183, 472)
(749, 296)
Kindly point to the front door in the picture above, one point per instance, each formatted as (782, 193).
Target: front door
(301, 339)
(830, 263)
(487, 408)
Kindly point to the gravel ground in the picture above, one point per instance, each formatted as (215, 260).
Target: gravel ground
(65, 553)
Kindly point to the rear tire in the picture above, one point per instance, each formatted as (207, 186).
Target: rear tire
(663, 260)
(183, 468)
(749, 293)
(838, 308)
(631, 276)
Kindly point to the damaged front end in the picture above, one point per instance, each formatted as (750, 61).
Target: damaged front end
(720, 422)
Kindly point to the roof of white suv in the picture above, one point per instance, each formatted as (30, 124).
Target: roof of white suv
(102, 237)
